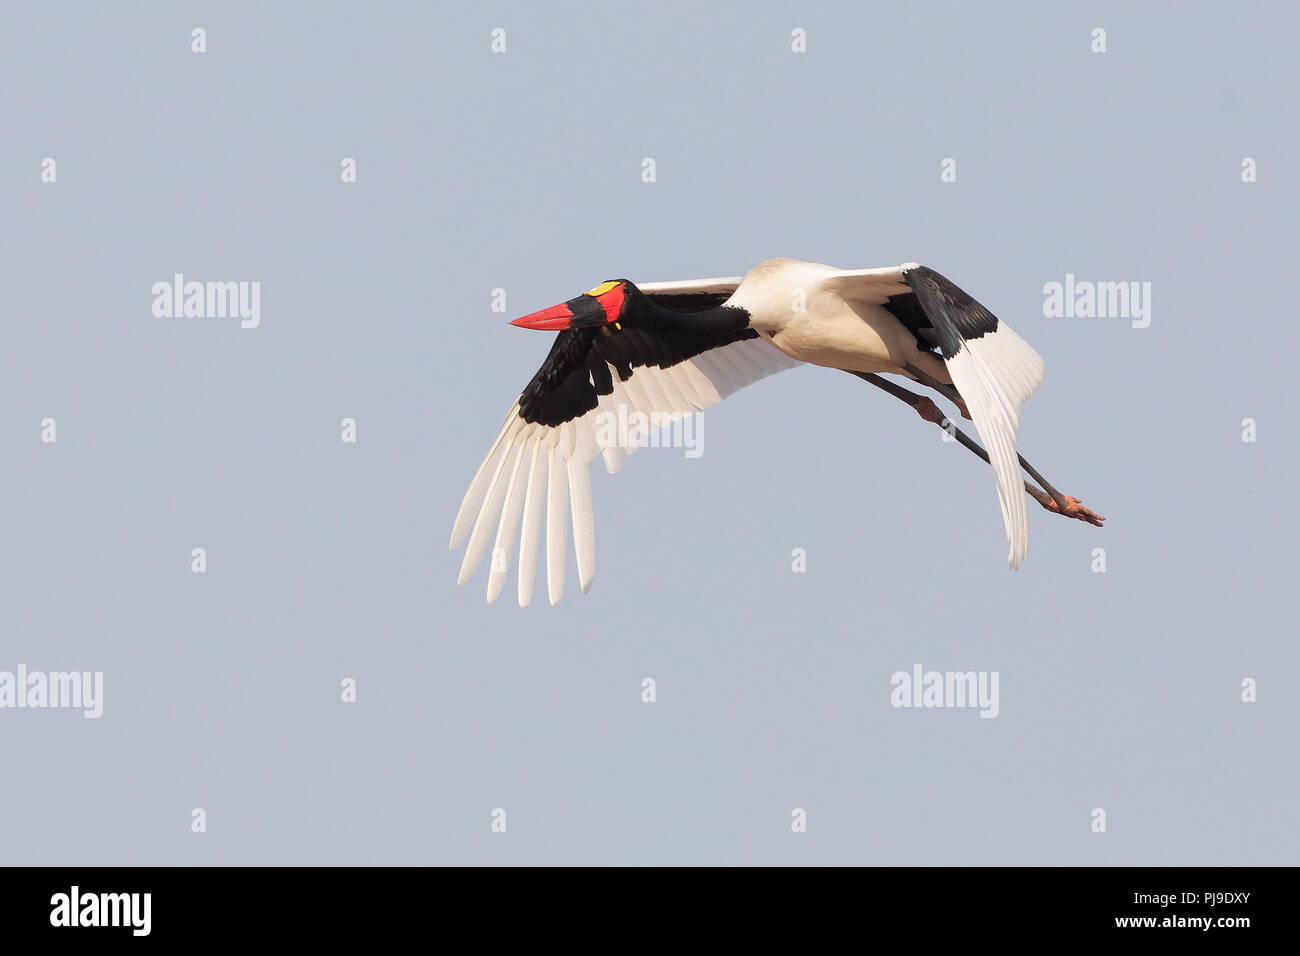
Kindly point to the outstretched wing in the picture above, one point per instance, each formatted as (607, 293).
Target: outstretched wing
(994, 369)
(600, 391)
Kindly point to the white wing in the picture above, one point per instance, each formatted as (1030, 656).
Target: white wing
(690, 286)
(993, 368)
(537, 469)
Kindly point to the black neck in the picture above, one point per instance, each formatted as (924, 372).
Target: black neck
(721, 319)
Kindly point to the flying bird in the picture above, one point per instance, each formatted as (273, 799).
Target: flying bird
(669, 349)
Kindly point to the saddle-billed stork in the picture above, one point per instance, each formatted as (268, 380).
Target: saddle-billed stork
(669, 349)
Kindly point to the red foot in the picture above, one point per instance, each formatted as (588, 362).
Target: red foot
(929, 411)
(965, 413)
(1075, 509)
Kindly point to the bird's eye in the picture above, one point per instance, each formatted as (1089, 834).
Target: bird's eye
(601, 289)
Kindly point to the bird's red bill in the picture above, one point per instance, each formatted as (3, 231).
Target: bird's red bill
(601, 306)
(554, 319)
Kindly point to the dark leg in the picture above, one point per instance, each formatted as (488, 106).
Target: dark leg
(1064, 503)
(1053, 500)
(947, 391)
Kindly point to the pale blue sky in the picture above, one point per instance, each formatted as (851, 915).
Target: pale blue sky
(522, 171)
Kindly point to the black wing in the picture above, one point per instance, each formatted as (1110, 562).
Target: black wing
(582, 364)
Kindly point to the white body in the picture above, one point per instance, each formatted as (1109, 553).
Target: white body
(537, 478)
(813, 315)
